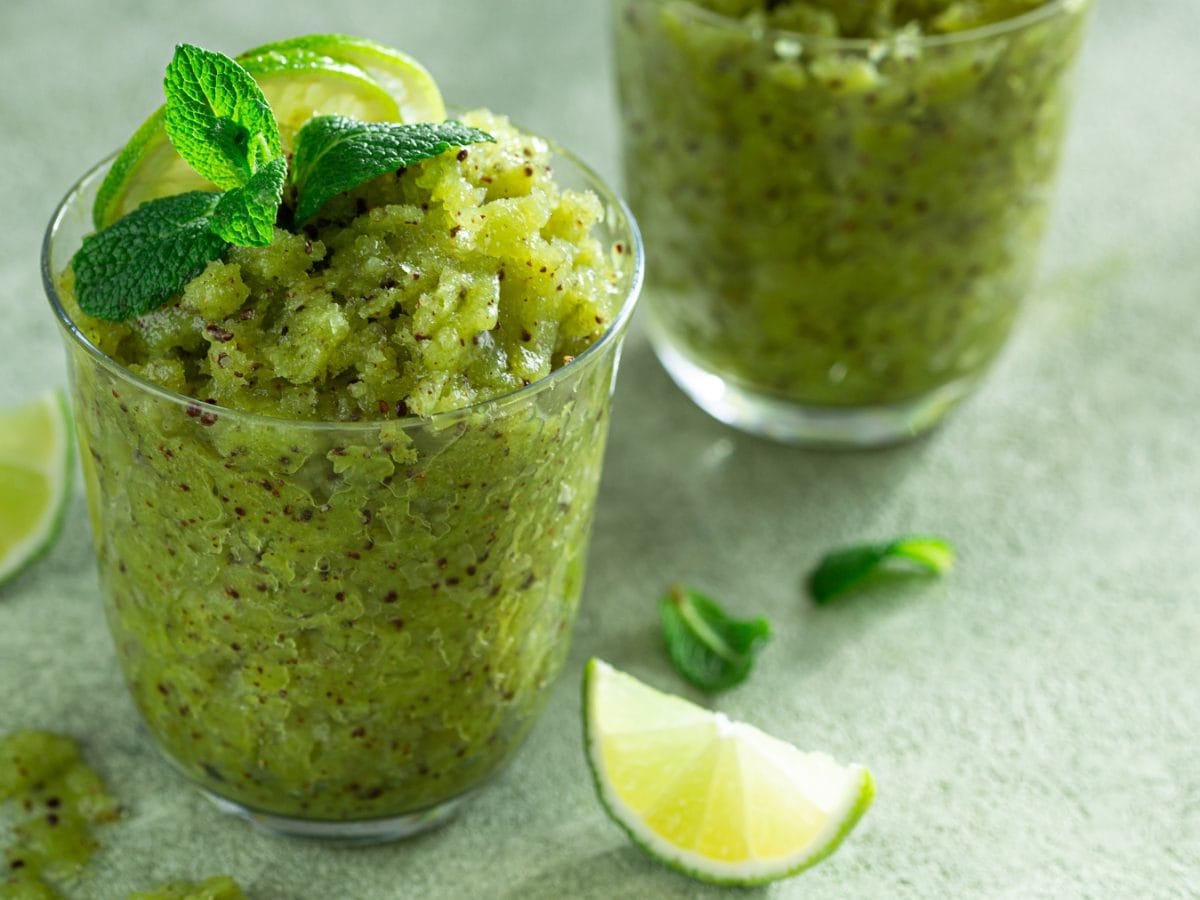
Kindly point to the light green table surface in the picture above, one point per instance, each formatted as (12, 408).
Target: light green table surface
(1033, 721)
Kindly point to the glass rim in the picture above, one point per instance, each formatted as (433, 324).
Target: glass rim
(608, 196)
(1015, 23)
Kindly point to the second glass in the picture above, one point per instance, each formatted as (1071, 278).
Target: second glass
(839, 231)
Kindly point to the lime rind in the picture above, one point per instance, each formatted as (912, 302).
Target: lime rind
(59, 470)
(862, 802)
(841, 818)
(105, 209)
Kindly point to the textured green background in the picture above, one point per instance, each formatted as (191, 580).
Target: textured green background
(1032, 721)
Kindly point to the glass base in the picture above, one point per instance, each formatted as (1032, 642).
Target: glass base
(811, 426)
(369, 831)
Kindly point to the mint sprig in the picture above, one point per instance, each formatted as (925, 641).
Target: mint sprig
(843, 569)
(129, 268)
(335, 154)
(217, 117)
(708, 647)
(219, 121)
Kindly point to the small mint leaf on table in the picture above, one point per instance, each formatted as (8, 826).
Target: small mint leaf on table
(246, 215)
(146, 257)
(217, 117)
(334, 154)
(708, 647)
(843, 569)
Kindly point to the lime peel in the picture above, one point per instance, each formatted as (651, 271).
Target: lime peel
(36, 467)
(715, 799)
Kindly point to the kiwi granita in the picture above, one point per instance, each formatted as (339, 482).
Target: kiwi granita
(341, 486)
(457, 280)
(60, 802)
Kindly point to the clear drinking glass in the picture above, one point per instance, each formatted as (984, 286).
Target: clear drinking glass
(337, 629)
(839, 232)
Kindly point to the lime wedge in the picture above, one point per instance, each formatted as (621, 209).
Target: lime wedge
(298, 84)
(715, 799)
(406, 80)
(35, 479)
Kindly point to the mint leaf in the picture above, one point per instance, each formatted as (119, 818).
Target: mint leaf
(709, 648)
(842, 569)
(246, 216)
(334, 154)
(146, 257)
(217, 117)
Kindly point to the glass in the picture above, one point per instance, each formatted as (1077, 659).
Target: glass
(336, 629)
(839, 232)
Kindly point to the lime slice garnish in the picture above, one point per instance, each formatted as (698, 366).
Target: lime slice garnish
(35, 479)
(715, 799)
(407, 80)
(298, 84)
